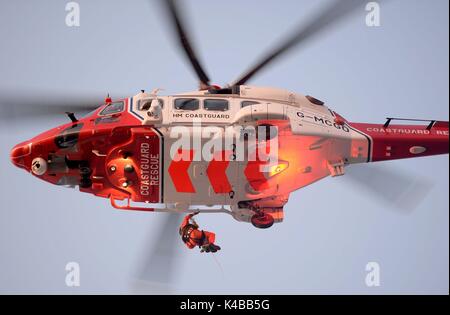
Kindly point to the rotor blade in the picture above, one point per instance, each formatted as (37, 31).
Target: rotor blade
(333, 13)
(16, 105)
(157, 267)
(15, 113)
(403, 191)
(180, 28)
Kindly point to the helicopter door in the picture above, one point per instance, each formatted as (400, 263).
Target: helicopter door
(220, 171)
(209, 175)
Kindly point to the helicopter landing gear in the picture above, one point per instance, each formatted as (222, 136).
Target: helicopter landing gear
(262, 220)
(85, 173)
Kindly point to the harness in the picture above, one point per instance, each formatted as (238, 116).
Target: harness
(186, 235)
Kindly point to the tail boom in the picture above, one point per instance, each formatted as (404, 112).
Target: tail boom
(392, 142)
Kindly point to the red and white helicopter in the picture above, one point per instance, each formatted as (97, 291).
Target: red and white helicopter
(130, 149)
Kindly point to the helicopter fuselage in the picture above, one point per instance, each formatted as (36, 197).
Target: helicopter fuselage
(237, 152)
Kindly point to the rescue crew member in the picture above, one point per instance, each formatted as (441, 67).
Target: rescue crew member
(192, 236)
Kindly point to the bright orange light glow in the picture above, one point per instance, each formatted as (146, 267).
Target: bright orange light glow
(277, 169)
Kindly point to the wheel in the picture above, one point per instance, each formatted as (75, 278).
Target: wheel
(85, 171)
(262, 220)
(85, 182)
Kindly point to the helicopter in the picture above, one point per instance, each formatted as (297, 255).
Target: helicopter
(239, 149)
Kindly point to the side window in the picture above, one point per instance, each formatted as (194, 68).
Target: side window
(248, 103)
(187, 104)
(112, 108)
(215, 105)
(145, 104)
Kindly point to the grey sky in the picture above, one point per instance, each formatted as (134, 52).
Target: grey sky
(332, 229)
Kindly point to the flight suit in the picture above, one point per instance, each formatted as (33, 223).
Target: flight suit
(192, 236)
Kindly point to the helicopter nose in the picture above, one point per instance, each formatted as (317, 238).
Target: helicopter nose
(19, 152)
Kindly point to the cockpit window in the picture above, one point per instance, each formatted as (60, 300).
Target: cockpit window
(187, 104)
(248, 103)
(90, 113)
(113, 108)
(68, 181)
(69, 136)
(146, 103)
(215, 105)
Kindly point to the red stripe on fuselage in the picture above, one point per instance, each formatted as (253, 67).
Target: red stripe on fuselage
(178, 171)
(405, 141)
